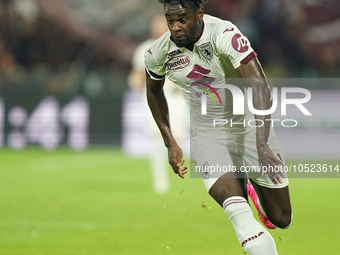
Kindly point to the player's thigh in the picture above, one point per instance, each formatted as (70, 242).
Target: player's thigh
(276, 203)
(251, 163)
(229, 185)
(219, 166)
(274, 198)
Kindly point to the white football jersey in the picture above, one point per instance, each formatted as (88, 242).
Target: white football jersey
(218, 52)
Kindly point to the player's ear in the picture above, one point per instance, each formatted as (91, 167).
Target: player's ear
(200, 13)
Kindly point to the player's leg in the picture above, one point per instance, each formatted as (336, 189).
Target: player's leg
(230, 192)
(273, 199)
(228, 188)
(229, 185)
(262, 215)
(275, 203)
(219, 173)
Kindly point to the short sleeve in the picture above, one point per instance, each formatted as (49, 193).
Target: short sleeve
(152, 66)
(232, 43)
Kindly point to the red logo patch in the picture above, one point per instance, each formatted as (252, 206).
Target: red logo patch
(149, 51)
(240, 43)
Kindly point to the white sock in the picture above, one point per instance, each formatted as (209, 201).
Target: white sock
(252, 236)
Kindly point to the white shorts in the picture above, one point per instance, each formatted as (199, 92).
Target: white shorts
(231, 152)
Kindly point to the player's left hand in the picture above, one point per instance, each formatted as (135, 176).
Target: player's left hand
(270, 165)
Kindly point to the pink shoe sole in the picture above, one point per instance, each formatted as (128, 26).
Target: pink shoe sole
(252, 194)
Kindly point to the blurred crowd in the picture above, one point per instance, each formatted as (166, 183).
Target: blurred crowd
(57, 46)
(293, 38)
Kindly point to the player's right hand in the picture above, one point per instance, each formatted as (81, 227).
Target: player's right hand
(176, 160)
(267, 158)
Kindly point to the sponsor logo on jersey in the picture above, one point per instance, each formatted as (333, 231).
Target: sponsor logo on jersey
(173, 53)
(228, 30)
(240, 43)
(178, 62)
(206, 50)
(150, 51)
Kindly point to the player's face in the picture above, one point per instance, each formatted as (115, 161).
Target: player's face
(185, 24)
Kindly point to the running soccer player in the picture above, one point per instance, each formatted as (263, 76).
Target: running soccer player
(197, 53)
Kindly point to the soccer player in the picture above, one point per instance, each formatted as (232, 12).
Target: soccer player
(195, 54)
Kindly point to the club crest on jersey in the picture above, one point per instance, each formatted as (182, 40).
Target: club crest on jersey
(178, 62)
(206, 50)
(240, 43)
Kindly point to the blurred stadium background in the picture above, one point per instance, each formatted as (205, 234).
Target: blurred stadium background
(74, 179)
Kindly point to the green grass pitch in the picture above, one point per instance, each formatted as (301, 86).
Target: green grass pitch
(101, 202)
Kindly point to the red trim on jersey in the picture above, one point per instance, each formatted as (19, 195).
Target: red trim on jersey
(249, 57)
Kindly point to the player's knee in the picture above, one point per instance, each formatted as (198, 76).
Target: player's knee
(283, 220)
(218, 195)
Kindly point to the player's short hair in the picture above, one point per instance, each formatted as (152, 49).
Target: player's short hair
(184, 3)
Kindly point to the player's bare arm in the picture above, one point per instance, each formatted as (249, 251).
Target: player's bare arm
(261, 100)
(159, 108)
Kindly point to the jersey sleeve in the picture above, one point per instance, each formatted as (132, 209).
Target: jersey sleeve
(233, 44)
(152, 66)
